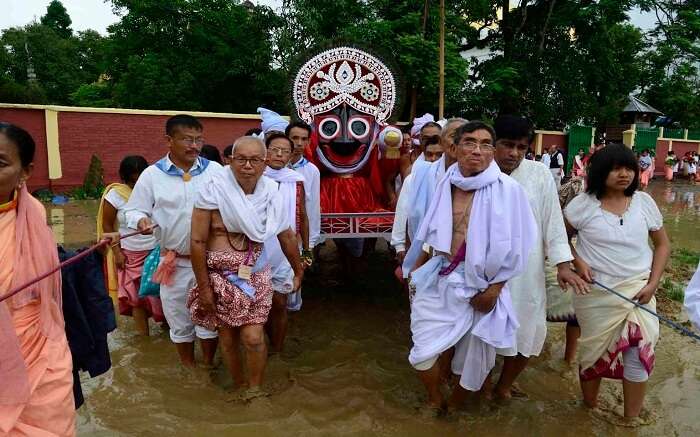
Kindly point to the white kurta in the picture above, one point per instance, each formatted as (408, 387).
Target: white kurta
(528, 290)
(692, 299)
(398, 230)
(312, 189)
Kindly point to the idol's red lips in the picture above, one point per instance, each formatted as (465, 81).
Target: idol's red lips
(344, 160)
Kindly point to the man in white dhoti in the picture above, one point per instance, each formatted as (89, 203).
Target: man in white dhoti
(235, 214)
(514, 136)
(164, 195)
(418, 189)
(300, 134)
(480, 228)
(291, 187)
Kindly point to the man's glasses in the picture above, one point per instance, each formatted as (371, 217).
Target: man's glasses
(239, 160)
(279, 151)
(470, 146)
(190, 141)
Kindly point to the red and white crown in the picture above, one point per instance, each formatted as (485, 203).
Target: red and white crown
(344, 75)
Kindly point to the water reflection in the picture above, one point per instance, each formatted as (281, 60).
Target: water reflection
(679, 203)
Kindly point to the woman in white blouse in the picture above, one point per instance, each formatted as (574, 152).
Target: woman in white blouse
(129, 255)
(613, 222)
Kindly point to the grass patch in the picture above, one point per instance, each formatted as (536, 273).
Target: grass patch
(685, 256)
(673, 290)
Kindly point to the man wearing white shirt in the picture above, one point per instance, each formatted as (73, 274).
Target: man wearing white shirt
(164, 196)
(556, 164)
(514, 136)
(300, 132)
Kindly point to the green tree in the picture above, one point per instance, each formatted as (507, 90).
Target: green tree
(57, 18)
(193, 54)
(671, 79)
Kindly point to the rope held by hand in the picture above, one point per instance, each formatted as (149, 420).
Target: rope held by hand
(674, 325)
(68, 262)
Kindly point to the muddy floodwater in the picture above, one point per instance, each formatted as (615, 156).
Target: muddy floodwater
(345, 368)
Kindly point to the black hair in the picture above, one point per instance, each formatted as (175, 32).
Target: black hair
(671, 152)
(211, 153)
(183, 120)
(430, 124)
(253, 131)
(513, 127)
(132, 165)
(429, 140)
(274, 136)
(472, 126)
(604, 161)
(300, 124)
(22, 140)
(406, 129)
(228, 150)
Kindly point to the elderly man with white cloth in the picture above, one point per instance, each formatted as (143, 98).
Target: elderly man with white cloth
(235, 214)
(528, 291)
(291, 187)
(480, 228)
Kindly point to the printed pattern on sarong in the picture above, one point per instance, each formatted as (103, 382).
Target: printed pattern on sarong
(233, 307)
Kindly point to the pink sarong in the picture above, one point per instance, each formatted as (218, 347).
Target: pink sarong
(129, 283)
(645, 175)
(668, 173)
(233, 307)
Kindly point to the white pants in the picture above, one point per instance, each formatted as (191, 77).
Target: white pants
(634, 370)
(556, 174)
(174, 300)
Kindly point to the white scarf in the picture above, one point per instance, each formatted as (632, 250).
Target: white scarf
(259, 215)
(287, 180)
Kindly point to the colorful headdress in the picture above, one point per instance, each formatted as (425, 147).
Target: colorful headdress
(344, 75)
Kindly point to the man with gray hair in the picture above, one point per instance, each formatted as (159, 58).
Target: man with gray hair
(418, 187)
(234, 214)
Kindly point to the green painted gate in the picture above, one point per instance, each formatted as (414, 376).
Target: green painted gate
(580, 137)
(645, 139)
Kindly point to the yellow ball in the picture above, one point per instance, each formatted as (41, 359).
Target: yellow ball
(392, 139)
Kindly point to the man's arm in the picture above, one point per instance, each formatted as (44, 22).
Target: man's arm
(139, 208)
(288, 243)
(201, 222)
(486, 300)
(304, 231)
(398, 230)
(313, 208)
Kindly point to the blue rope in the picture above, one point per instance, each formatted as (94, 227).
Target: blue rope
(670, 323)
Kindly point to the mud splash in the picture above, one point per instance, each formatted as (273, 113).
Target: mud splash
(345, 370)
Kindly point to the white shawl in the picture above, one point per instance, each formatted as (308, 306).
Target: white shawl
(287, 180)
(259, 215)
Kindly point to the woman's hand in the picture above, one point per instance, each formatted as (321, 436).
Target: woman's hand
(645, 294)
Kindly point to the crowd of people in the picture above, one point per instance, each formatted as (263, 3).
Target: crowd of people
(227, 240)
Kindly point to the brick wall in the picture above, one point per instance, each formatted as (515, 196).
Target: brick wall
(111, 137)
(34, 122)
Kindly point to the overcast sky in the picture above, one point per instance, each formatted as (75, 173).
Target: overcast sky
(97, 14)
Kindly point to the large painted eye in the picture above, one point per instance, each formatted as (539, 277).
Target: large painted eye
(329, 128)
(359, 127)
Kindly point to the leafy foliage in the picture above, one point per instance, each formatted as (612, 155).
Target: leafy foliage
(561, 62)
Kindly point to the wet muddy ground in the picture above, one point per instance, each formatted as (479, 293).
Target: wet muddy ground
(345, 368)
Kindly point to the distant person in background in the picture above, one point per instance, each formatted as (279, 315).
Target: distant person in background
(124, 262)
(556, 164)
(538, 158)
(530, 155)
(432, 148)
(646, 167)
(579, 169)
(545, 158)
(670, 163)
(254, 132)
(211, 153)
(226, 158)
